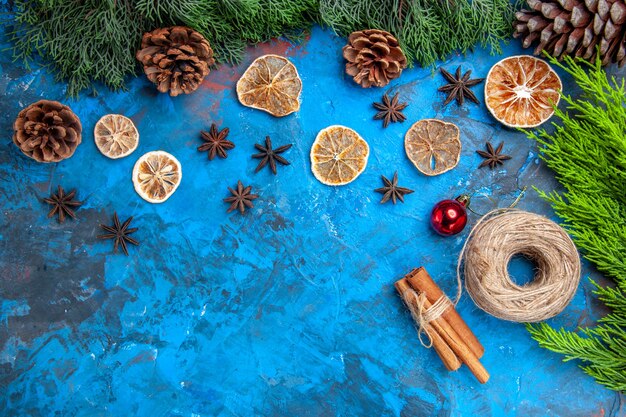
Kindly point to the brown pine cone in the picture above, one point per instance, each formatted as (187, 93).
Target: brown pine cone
(176, 59)
(47, 131)
(374, 57)
(575, 28)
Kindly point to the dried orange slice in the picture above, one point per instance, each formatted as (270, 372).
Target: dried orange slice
(338, 155)
(521, 90)
(116, 136)
(156, 176)
(433, 146)
(271, 83)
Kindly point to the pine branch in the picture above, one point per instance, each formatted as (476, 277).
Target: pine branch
(96, 40)
(587, 152)
(606, 364)
(570, 344)
(88, 41)
(427, 30)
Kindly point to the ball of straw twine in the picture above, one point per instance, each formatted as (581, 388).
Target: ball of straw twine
(498, 237)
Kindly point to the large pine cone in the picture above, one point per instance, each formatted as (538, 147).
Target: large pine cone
(374, 57)
(575, 28)
(47, 131)
(176, 59)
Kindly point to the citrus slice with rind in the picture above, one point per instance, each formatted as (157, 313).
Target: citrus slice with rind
(433, 146)
(156, 176)
(116, 136)
(338, 155)
(271, 83)
(521, 91)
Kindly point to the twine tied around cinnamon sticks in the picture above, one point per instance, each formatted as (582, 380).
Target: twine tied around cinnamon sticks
(437, 317)
(423, 315)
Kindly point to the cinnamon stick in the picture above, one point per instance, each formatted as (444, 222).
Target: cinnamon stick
(448, 357)
(421, 281)
(452, 338)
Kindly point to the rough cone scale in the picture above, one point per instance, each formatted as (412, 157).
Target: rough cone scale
(374, 58)
(47, 131)
(175, 58)
(577, 28)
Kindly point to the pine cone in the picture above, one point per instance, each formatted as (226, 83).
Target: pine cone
(176, 59)
(374, 57)
(47, 131)
(575, 28)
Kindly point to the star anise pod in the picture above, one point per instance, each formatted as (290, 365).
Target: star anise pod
(119, 232)
(390, 110)
(458, 87)
(216, 143)
(269, 155)
(493, 157)
(63, 204)
(241, 198)
(391, 190)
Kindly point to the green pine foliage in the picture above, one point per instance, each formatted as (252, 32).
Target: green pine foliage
(587, 151)
(82, 40)
(95, 40)
(427, 30)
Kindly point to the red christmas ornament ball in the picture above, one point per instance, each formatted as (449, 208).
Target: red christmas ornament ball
(449, 217)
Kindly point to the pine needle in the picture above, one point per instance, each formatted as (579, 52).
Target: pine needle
(587, 152)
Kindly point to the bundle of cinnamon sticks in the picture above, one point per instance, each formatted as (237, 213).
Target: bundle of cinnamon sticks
(452, 339)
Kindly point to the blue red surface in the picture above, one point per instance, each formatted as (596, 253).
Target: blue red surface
(287, 310)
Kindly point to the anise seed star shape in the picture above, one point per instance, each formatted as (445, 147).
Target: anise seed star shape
(493, 157)
(269, 155)
(392, 191)
(390, 110)
(216, 142)
(119, 232)
(63, 204)
(458, 87)
(241, 198)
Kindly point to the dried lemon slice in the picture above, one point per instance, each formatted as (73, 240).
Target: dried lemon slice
(338, 155)
(271, 83)
(520, 91)
(116, 136)
(156, 176)
(433, 146)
